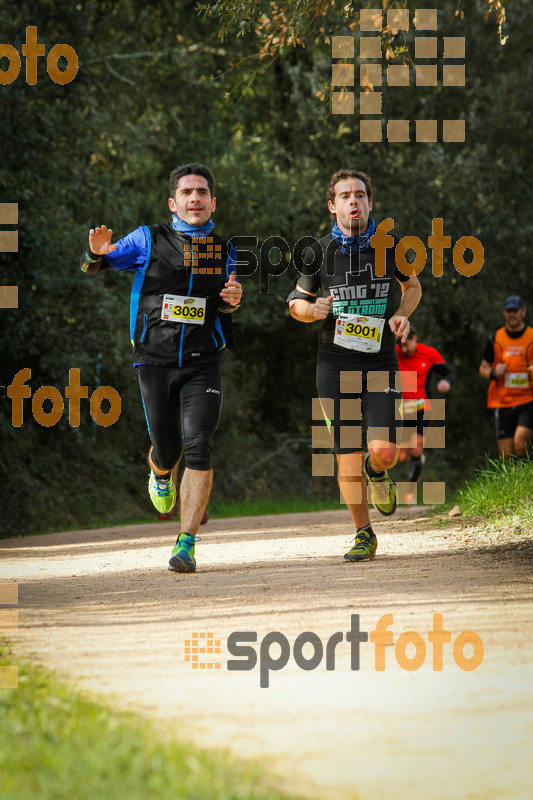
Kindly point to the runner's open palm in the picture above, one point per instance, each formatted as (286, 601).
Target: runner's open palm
(100, 241)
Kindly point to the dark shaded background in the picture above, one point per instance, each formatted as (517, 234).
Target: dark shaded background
(157, 87)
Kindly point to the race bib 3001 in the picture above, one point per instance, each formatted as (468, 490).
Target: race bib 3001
(359, 333)
(177, 308)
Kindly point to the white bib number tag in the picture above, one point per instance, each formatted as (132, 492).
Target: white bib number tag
(359, 333)
(516, 380)
(177, 308)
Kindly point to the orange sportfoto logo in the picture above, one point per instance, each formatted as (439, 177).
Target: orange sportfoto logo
(31, 51)
(275, 649)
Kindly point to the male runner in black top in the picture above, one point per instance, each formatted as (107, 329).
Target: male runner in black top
(183, 276)
(357, 365)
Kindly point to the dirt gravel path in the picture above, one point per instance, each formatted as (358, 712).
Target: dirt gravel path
(99, 607)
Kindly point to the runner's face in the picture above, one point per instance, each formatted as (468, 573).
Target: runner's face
(514, 318)
(192, 201)
(351, 206)
(408, 347)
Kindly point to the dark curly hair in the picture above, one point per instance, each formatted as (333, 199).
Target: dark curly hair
(341, 175)
(191, 169)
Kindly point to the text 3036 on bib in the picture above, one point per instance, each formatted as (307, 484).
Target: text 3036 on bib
(177, 308)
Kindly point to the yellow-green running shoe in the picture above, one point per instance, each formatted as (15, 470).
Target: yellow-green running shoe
(364, 546)
(162, 492)
(382, 491)
(182, 558)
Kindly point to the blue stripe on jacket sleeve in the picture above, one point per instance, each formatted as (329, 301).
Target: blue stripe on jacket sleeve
(131, 251)
(231, 261)
(138, 281)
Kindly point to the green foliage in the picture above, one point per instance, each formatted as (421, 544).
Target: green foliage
(155, 88)
(57, 745)
(499, 491)
(279, 25)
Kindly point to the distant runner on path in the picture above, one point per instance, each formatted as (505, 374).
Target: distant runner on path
(507, 363)
(426, 361)
(357, 365)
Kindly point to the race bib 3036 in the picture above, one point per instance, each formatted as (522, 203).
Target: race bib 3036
(177, 308)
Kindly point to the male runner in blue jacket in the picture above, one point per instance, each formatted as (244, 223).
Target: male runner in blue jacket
(184, 275)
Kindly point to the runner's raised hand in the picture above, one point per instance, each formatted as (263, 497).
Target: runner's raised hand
(100, 241)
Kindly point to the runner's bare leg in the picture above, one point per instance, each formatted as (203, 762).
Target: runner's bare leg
(352, 484)
(522, 440)
(194, 493)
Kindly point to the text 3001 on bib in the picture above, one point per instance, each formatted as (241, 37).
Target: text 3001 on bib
(359, 333)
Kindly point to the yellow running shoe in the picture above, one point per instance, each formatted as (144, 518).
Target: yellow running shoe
(382, 491)
(162, 492)
(364, 546)
(182, 556)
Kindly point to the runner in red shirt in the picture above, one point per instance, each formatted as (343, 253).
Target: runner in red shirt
(413, 356)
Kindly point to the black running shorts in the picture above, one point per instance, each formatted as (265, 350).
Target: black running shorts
(347, 396)
(508, 419)
(182, 407)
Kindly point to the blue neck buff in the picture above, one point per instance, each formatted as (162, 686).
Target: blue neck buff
(350, 243)
(192, 230)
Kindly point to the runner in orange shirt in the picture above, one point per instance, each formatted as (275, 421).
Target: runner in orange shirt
(508, 363)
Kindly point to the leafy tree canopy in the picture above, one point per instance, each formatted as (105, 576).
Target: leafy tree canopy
(279, 25)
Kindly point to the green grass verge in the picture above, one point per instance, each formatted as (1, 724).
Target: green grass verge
(58, 745)
(500, 491)
(259, 507)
